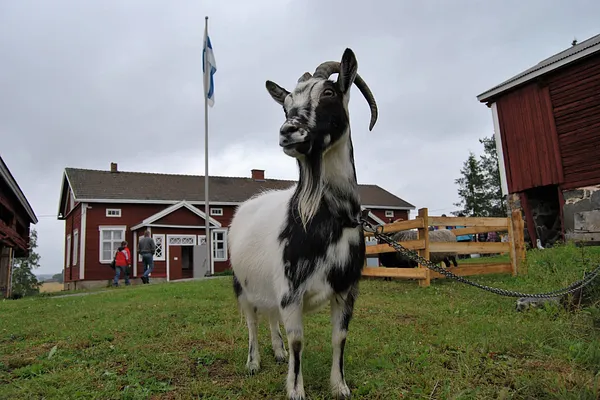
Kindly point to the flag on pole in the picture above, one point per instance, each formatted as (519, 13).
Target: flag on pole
(209, 67)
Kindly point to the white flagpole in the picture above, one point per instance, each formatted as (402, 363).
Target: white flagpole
(209, 258)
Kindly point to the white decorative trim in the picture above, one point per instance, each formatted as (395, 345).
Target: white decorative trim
(213, 232)
(101, 228)
(389, 213)
(82, 239)
(68, 256)
(76, 243)
(174, 207)
(211, 204)
(160, 238)
(168, 226)
(181, 240)
(498, 137)
(201, 240)
(216, 211)
(113, 212)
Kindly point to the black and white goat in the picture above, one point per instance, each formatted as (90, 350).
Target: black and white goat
(295, 250)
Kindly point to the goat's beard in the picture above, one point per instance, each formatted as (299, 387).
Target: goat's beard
(310, 189)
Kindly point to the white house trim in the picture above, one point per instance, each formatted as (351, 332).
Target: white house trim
(174, 207)
(381, 207)
(168, 226)
(498, 137)
(68, 253)
(82, 237)
(225, 246)
(212, 203)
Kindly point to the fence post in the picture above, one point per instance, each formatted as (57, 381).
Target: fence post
(519, 236)
(423, 233)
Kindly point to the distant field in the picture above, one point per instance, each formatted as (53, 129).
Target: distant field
(188, 341)
(49, 287)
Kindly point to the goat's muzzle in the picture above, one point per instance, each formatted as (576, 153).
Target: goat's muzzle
(294, 138)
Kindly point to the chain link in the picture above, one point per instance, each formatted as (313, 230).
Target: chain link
(378, 233)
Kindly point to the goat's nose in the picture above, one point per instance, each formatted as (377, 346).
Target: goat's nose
(287, 129)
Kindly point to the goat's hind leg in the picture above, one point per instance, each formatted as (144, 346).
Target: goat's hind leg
(277, 339)
(342, 307)
(253, 361)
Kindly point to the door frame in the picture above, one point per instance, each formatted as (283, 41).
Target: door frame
(188, 237)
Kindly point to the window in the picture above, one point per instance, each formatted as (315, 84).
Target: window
(110, 240)
(389, 214)
(159, 253)
(201, 240)
(75, 246)
(219, 244)
(68, 263)
(113, 212)
(216, 211)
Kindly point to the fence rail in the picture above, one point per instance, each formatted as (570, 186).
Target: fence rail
(514, 246)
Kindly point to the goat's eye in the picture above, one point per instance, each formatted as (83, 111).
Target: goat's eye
(328, 93)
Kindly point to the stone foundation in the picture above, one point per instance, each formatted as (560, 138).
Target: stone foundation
(582, 213)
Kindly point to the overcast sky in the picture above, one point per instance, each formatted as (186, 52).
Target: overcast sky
(84, 84)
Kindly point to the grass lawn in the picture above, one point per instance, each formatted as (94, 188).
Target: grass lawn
(188, 340)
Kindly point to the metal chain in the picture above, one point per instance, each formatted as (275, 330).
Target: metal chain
(378, 233)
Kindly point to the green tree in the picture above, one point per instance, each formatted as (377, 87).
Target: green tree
(491, 170)
(471, 189)
(24, 281)
(58, 277)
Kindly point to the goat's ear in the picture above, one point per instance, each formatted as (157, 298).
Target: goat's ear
(277, 92)
(348, 69)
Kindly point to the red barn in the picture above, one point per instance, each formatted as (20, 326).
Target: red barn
(547, 129)
(16, 215)
(101, 208)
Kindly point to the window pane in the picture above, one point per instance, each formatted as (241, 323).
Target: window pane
(106, 235)
(106, 254)
(218, 236)
(118, 235)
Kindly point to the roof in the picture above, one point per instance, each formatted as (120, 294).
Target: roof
(565, 57)
(104, 186)
(12, 184)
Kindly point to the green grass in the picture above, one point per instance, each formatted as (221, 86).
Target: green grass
(187, 340)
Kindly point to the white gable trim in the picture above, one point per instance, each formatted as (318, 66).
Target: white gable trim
(153, 218)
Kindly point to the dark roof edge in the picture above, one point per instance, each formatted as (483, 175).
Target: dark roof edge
(12, 183)
(586, 48)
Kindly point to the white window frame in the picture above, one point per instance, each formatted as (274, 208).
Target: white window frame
(68, 260)
(101, 229)
(216, 211)
(75, 246)
(201, 239)
(172, 239)
(113, 212)
(389, 213)
(164, 246)
(214, 242)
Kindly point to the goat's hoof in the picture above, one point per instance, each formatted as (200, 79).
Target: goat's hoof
(341, 392)
(296, 395)
(280, 359)
(253, 367)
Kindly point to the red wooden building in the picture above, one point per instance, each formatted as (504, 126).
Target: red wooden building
(101, 208)
(547, 129)
(16, 215)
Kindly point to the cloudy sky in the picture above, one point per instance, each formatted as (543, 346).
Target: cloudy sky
(86, 83)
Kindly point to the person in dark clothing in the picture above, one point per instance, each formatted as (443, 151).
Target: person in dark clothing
(147, 248)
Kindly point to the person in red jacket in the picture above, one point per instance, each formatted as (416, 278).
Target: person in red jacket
(122, 262)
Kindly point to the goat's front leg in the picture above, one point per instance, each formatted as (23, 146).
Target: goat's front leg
(253, 362)
(342, 307)
(291, 314)
(277, 340)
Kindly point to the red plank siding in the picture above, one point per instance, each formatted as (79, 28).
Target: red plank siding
(575, 94)
(527, 129)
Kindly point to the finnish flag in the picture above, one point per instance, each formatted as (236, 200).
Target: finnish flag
(208, 60)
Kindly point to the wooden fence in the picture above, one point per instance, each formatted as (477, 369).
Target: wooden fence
(514, 246)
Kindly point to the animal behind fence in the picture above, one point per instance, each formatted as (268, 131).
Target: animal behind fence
(295, 250)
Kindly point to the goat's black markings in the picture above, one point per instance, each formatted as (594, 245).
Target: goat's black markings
(341, 360)
(296, 348)
(250, 351)
(237, 287)
(349, 306)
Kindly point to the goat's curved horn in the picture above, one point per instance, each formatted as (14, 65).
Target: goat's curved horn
(304, 77)
(326, 69)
